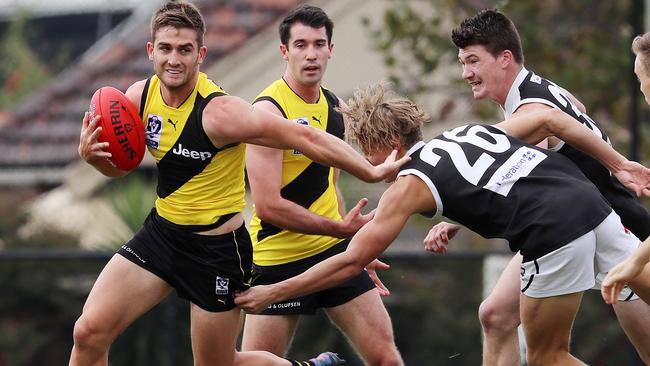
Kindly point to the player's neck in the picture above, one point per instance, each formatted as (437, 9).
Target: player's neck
(509, 79)
(309, 93)
(176, 96)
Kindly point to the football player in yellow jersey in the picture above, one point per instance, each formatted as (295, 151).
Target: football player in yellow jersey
(201, 251)
(299, 218)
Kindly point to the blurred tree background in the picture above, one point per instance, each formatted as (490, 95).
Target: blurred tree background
(582, 45)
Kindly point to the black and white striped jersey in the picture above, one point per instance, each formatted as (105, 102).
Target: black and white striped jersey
(529, 87)
(500, 187)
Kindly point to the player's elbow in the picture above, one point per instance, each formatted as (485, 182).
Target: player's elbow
(310, 136)
(354, 264)
(554, 122)
(264, 213)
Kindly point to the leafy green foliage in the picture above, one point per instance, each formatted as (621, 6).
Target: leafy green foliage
(20, 71)
(582, 45)
(132, 198)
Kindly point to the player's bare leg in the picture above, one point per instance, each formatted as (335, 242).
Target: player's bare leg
(547, 325)
(499, 316)
(634, 317)
(364, 312)
(641, 284)
(111, 307)
(214, 338)
(258, 327)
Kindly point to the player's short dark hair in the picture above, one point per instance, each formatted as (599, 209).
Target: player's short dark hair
(178, 14)
(491, 29)
(308, 15)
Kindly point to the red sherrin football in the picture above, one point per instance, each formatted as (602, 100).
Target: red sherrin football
(121, 127)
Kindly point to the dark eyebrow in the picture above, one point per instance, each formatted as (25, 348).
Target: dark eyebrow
(182, 45)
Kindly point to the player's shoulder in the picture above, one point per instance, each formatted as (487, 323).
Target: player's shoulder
(273, 90)
(207, 87)
(134, 92)
(331, 97)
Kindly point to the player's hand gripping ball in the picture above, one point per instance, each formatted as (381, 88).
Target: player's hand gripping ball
(121, 127)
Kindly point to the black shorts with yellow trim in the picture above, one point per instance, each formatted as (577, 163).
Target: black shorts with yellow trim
(307, 305)
(206, 270)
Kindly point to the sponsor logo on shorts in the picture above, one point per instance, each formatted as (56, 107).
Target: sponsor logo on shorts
(222, 286)
(132, 252)
(301, 121)
(285, 305)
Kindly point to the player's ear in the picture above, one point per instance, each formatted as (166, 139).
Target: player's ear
(150, 50)
(506, 58)
(202, 51)
(284, 50)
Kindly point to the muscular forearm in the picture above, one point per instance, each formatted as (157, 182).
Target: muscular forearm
(330, 150)
(580, 137)
(642, 254)
(291, 216)
(326, 274)
(106, 168)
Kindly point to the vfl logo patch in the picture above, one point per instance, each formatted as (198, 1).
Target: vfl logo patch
(222, 286)
(154, 130)
(301, 121)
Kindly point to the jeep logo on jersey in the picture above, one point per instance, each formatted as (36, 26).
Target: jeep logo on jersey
(196, 155)
(300, 121)
(120, 128)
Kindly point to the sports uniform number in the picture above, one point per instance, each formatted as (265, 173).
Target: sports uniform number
(560, 95)
(471, 172)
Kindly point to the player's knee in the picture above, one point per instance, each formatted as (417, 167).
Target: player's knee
(387, 357)
(497, 319)
(87, 333)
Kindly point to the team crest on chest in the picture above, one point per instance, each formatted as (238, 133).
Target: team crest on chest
(300, 121)
(154, 130)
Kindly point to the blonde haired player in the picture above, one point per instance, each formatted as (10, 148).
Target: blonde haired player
(487, 180)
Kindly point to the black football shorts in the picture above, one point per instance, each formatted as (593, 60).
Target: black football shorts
(206, 270)
(334, 296)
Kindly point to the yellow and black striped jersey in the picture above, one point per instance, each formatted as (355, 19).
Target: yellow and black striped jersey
(198, 183)
(304, 182)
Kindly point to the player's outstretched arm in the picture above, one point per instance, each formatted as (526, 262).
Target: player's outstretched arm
(397, 204)
(264, 167)
(534, 127)
(230, 119)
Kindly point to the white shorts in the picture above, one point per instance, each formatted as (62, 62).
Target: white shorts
(575, 266)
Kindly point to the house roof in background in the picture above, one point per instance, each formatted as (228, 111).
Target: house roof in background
(42, 133)
(9, 8)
